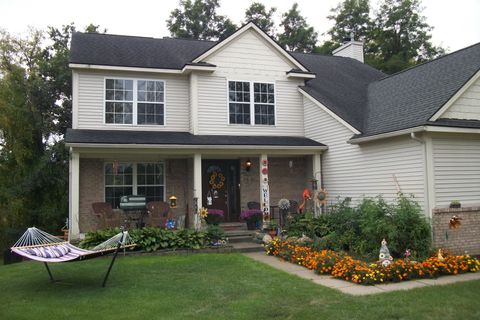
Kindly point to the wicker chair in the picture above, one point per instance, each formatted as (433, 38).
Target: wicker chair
(107, 217)
(158, 213)
(293, 207)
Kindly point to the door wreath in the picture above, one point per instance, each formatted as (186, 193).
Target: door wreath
(217, 180)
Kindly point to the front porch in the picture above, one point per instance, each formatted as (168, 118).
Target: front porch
(189, 178)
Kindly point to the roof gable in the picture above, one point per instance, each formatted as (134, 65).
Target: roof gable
(464, 104)
(250, 26)
(411, 97)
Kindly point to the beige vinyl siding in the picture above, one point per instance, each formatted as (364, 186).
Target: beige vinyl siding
(91, 105)
(456, 160)
(467, 106)
(249, 58)
(367, 169)
(213, 113)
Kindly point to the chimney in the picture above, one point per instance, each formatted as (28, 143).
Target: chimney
(350, 49)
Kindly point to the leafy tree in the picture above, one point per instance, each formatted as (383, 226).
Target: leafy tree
(199, 20)
(297, 34)
(351, 16)
(261, 17)
(35, 110)
(401, 36)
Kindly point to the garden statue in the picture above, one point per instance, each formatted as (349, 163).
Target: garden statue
(384, 256)
(439, 255)
(267, 238)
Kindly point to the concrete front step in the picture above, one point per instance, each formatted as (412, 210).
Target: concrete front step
(234, 239)
(239, 233)
(249, 246)
(229, 226)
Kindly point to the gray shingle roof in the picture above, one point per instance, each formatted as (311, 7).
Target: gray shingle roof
(128, 51)
(180, 138)
(340, 84)
(411, 97)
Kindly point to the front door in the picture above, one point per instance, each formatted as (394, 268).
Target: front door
(220, 182)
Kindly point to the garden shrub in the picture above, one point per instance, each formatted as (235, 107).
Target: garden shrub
(360, 229)
(152, 239)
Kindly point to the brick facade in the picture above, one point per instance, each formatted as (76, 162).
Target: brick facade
(464, 239)
(91, 190)
(284, 182)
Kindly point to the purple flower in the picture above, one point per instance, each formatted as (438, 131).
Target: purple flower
(250, 213)
(217, 212)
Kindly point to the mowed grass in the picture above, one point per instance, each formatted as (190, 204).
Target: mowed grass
(208, 286)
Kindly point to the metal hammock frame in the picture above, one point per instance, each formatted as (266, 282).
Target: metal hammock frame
(41, 246)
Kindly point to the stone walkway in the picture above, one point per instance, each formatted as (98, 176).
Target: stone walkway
(352, 288)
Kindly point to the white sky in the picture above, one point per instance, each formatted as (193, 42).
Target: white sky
(456, 22)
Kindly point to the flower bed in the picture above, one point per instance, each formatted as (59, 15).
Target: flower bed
(344, 267)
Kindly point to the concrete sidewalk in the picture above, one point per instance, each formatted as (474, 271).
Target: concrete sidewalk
(352, 288)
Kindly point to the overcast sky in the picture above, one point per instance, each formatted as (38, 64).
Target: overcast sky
(456, 22)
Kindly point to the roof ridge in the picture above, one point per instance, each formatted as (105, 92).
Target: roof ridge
(143, 37)
(427, 62)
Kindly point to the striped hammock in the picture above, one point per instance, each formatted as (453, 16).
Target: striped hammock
(38, 245)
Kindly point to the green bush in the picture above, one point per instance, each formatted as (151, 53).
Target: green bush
(360, 229)
(152, 239)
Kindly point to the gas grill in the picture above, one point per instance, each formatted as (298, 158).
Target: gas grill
(135, 208)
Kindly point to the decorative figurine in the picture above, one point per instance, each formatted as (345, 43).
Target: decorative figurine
(384, 256)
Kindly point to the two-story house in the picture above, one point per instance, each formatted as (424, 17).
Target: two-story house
(221, 124)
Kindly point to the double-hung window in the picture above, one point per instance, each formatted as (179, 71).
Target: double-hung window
(140, 102)
(251, 103)
(134, 178)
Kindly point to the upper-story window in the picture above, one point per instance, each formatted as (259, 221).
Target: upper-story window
(251, 102)
(134, 101)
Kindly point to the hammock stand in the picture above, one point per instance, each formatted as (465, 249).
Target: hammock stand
(38, 245)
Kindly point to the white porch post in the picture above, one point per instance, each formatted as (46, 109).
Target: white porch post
(197, 187)
(317, 174)
(264, 189)
(74, 197)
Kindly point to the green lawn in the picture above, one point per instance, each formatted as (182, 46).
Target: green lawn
(215, 286)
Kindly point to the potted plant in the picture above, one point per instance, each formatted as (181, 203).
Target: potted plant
(251, 216)
(272, 228)
(214, 216)
(455, 204)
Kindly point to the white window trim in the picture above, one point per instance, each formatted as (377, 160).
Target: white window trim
(252, 104)
(135, 102)
(134, 176)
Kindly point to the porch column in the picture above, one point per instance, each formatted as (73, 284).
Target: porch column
(317, 174)
(74, 196)
(197, 187)
(264, 189)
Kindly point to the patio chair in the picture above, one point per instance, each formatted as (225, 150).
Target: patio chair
(253, 205)
(107, 217)
(158, 213)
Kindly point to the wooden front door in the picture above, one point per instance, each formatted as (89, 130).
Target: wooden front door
(220, 180)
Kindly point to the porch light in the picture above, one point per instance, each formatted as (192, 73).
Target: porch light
(248, 165)
(173, 201)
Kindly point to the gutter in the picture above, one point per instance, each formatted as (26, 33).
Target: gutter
(413, 131)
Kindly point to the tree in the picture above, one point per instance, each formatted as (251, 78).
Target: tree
(351, 16)
(261, 17)
(297, 34)
(35, 110)
(199, 20)
(401, 36)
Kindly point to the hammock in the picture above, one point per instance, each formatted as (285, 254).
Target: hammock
(38, 245)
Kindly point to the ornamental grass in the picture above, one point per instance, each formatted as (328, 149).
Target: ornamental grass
(343, 266)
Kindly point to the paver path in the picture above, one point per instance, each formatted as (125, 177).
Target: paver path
(352, 288)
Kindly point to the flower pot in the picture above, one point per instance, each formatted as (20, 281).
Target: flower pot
(251, 225)
(455, 205)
